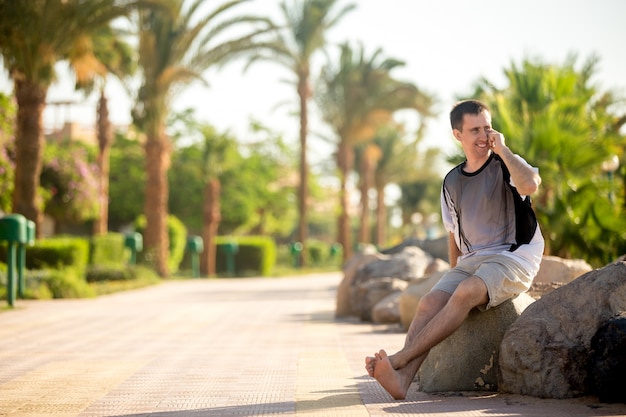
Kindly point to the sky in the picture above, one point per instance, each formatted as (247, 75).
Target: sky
(446, 45)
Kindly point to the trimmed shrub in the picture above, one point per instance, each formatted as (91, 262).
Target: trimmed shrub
(58, 253)
(67, 283)
(52, 283)
(255, 255)
(107, 249)
(99, 273)
(133, 277)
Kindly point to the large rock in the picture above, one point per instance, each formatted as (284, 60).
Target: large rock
(365, 296)
(410, 263)
(356, 262)
(353, 296)
(386, 310)
(544, 353)
(437, 248)
(468, 359)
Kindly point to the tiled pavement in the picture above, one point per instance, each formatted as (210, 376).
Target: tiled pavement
(229, 347)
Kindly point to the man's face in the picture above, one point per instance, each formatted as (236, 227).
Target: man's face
(474, 135)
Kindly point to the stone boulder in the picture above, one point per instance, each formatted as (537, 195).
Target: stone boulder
(410, 297)
(468, 359)
(365, 296)
(437, 265)
(437, 248)
(545, 352)
(386, 310)
(352, 294)
(556, 272)
(343, 307)
(410, 263)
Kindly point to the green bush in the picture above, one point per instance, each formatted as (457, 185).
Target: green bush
(133, 277)
(67, 283)
(255, 255)
(177, 233)
(34, 285)
(318, 254)
(318, 251)
(99, 273)
(52, 283)
(58, 253)
(107, 249)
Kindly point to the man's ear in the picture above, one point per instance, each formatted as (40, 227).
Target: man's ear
(457, 134)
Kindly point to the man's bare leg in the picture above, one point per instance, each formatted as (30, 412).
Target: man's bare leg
(429, 305)
(471, 293)
(392, 374)
(380, 366)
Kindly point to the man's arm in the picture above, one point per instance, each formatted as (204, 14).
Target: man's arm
(453, 250)
(526, 180)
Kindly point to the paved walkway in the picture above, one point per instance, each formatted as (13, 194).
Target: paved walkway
(230, 347)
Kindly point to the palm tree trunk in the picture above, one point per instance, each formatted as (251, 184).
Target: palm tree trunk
(344, 157)
(303, 93)
(364, 221)
(369, 161)
(381, 217)
(29, 144)
(211, 220)
(156, 235)
(105, 138)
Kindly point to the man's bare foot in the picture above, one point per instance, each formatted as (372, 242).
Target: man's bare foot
(388, 377)
(370, 364)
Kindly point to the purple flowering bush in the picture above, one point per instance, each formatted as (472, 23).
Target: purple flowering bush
(69, 181)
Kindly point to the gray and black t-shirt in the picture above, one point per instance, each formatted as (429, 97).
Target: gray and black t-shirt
(478, 208)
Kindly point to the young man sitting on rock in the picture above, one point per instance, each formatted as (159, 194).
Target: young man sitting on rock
(490, 261)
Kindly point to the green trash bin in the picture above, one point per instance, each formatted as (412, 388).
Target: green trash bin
(195, 246)
(231, 248)
(134, 242)
(21, 257)
(296, 249)
(13, 230)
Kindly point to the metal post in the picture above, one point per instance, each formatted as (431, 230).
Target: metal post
(21, 265)
(11, 255)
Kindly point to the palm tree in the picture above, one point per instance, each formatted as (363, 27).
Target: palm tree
(175, 47)
(34, 36)
(215, 157)
(367, 156)
(356, 98)
(113, 56)
(306, 24)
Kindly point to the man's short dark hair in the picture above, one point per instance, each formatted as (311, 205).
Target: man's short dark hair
(464, 107)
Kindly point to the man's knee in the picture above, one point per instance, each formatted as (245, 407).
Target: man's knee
(433, 301)
(471, 292)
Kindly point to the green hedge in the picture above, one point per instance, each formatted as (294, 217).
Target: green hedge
(317, 252)
(255, 255)
(58, 253)
(107, 249)
(51, 283)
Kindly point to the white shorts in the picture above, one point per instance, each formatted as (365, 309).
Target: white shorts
(503, 276)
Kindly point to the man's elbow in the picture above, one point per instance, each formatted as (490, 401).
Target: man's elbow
(530, 187)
